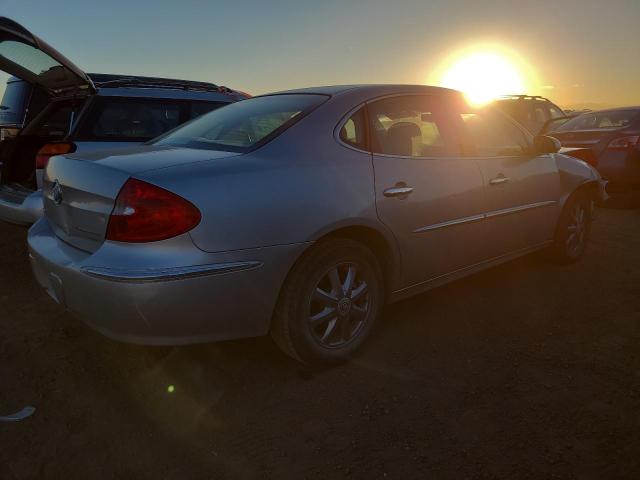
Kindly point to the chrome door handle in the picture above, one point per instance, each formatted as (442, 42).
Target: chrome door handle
(397, 191)
(498, 180)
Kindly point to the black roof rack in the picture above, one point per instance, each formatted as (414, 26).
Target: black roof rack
(106, 80)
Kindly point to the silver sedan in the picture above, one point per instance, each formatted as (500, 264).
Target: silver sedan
(301, 214)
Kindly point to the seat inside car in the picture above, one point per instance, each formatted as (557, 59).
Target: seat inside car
(400, 137)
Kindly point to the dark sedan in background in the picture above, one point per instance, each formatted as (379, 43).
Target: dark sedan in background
(613, 136)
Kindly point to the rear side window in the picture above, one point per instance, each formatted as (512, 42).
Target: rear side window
(486, 133)
(409, 126)
(354, 130)
(55, 120)
(130, 119)
(555, 111)
(540, 113)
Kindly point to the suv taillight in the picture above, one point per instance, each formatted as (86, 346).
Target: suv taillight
(623, 143)
(146, 213)
(49, 150)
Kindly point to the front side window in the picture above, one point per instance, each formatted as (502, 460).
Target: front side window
(487, 133)
(129, 119)
(241, 126)
(409, 126)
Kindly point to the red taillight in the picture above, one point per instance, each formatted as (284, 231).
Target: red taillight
(146, 213)
(623, 143)
(51, 149)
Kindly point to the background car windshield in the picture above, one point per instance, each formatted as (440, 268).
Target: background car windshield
(596, 120)
(241, 126)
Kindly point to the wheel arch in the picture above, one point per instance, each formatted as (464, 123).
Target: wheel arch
(589, 187)
(376, 237)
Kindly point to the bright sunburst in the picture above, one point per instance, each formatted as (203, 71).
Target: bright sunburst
(483, 73)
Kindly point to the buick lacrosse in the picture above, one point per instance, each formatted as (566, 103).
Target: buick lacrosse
(301, 214)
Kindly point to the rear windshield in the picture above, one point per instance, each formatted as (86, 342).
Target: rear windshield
(596, 120)
(244, 125)
(14, 102)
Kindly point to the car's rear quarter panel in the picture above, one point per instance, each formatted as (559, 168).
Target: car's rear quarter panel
(291, 190)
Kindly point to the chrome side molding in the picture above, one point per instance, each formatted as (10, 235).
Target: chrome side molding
(485, 216)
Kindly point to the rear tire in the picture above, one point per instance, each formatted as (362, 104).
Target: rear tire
(329, 302)
(574, 229)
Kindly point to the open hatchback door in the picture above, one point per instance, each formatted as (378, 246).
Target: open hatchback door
(25, 56)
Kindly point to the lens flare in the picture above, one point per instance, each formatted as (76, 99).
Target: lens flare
(484, 72)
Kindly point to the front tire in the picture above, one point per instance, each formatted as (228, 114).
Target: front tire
(574, 229)
(329, 302)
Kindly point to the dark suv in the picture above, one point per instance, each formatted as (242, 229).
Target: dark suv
(84, 112)
(21, 102)
(532, 112)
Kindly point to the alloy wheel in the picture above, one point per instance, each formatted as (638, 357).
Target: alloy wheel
(576, 229)
(339, 306)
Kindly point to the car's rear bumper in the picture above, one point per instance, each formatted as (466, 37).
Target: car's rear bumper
(232, 295)
(20, 206)
(620, 167)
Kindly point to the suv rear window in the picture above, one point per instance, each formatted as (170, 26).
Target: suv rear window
(132, 120)
(244, 125)
(200, 108)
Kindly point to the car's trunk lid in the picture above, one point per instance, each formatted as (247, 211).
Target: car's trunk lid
(78, 198)
(25, 56)
(141, 158)
(79, 192)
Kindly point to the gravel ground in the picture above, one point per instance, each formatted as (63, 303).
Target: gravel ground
(529, 370)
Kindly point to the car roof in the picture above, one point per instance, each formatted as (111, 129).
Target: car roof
(372, 89)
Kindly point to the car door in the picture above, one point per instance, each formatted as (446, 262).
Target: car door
(427, 193)
(521, 187)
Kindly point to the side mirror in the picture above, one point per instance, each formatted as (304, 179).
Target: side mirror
(543, 144)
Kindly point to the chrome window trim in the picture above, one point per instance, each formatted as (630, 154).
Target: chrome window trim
(148, 275)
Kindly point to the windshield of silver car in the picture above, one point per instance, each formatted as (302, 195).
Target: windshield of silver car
(245, 125)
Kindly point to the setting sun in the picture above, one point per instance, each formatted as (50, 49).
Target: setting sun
(484, 73)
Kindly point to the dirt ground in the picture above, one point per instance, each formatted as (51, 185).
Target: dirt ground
(529, 370)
